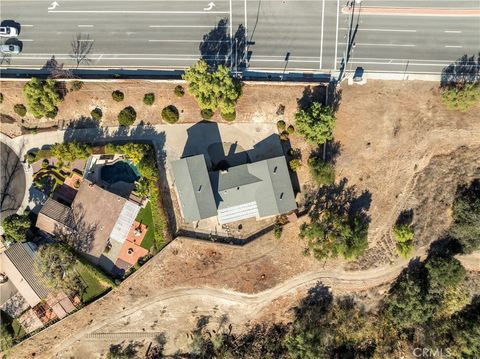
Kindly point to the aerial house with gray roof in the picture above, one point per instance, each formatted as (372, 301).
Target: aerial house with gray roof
(260, 189)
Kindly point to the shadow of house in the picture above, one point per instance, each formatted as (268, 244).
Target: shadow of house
(464, 70)
(12, 182)
(218, 48)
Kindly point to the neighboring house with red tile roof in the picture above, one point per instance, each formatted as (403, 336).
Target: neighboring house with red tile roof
(101, 221)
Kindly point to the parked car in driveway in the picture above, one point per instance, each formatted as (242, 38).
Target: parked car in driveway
(8, 31)
(9, 49)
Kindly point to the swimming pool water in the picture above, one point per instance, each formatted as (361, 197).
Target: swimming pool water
(119, 171)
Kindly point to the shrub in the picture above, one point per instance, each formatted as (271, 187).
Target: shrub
(118, 95)
(70, 151)
(170, 114)
(179, 91)
(149, 99)
(281, 125)
(228, 116)
(284, 136)
(322, 172)
(403, 235)
(76, 85)
(277, 231)
(96, 114)
(42, 97)
(206, 114)
(20, 109)
(461, 97)
(290, 129)
(127, 116)
(1, 97)
(295, 165)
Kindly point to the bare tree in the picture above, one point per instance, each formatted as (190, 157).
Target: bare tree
(81, 47)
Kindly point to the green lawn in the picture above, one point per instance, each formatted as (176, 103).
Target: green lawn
(145, 217)
(94, 286)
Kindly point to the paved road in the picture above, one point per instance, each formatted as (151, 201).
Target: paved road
(278, 35)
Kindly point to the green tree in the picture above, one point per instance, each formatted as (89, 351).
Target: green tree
(55, 263)
(212, 89)
(16, 227)
(6, 339)
(316, 123)
(119, 352)
(466, 217)
(42, 97)
(71, 151)
(444, 272)
(334, 234)
(403, 235)
(133, 151)
(322, 172)
(409, 303)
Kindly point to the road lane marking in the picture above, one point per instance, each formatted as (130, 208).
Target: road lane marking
(29, 40)
(184, 26)
(85, 25)
(27, 25)
(384, 30)
(135, 12)
(86, 40)
(321, 34)
(369, 44)
(453, 31)
(336, 36)
(454, 46)
(199, 40)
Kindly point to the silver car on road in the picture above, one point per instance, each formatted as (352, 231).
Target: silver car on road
(10, 49)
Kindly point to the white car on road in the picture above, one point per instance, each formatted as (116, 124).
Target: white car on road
(8, 31)
(9, 49)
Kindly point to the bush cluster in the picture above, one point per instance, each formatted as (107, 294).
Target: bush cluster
(149, 99)
(295, 165)
(229, 116)
(322, 172)
(281, 125)
(179, 91)
(96, 114)
(76, 85)
(127, 116)
(42, 97)
(170, 114)
(118, 95)
(461, 97)
(206, 114)
(20, 109)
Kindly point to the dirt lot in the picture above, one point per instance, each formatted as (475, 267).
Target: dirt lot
(257, 104)
(398, 144)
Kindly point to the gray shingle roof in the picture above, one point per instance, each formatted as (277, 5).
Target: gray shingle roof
(194, 188)
(21, 255)
(58, 212)
(262, 188)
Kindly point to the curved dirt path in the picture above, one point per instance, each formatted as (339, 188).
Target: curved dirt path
(175, 311)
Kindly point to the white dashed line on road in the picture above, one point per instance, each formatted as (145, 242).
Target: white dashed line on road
(452, 31)
(393, 45)
(85, 25)
(28, 40)
(383, 30)
(454, 46)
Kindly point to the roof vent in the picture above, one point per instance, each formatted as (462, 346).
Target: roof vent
(275, 169)
(281, 195)
(130, 250)
(199, 188)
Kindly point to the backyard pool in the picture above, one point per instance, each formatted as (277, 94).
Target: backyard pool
(119, 171)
